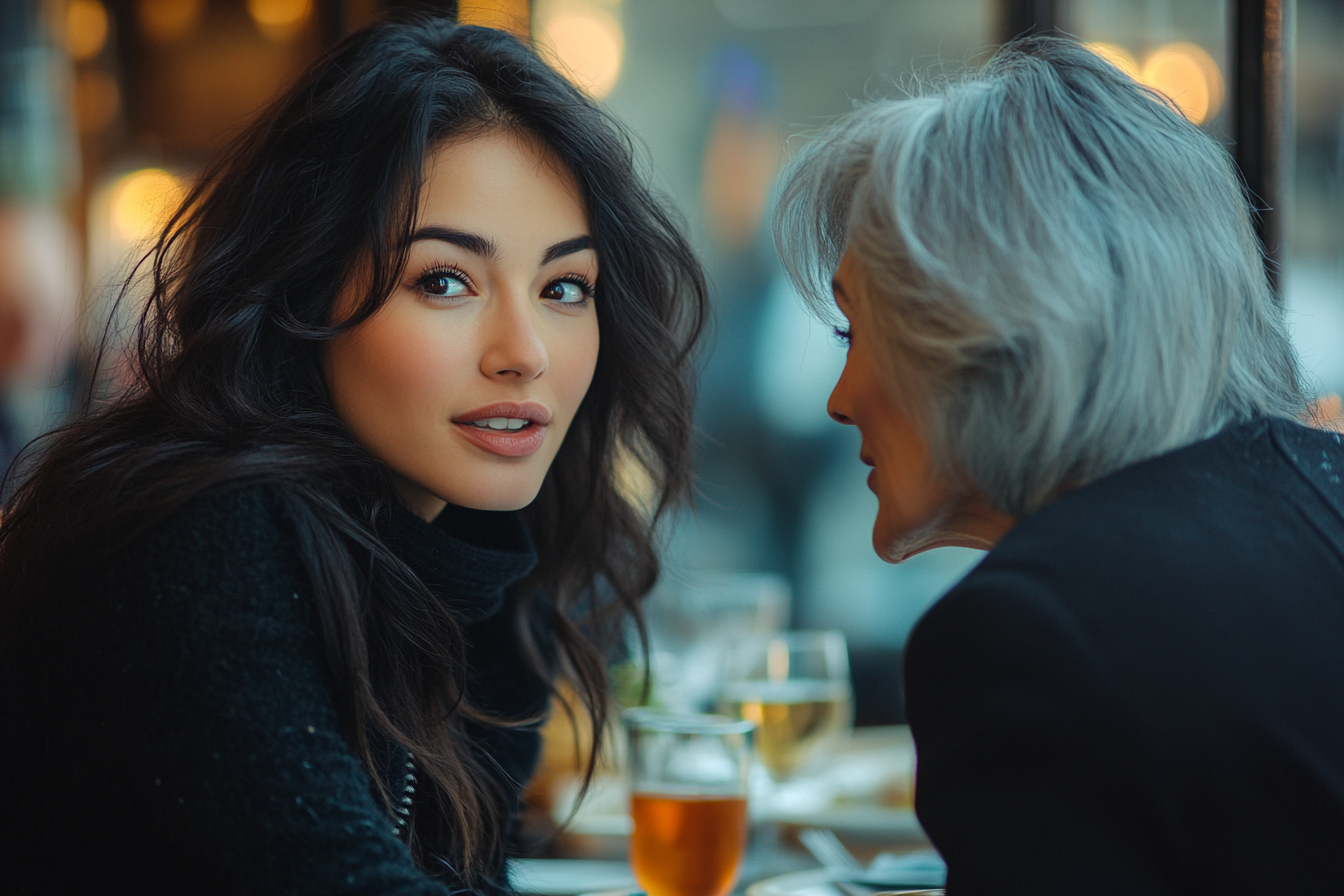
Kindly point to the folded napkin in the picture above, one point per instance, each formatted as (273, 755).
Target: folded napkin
(924, 868)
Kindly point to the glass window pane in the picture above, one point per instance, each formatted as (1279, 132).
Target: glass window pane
(1314, 285)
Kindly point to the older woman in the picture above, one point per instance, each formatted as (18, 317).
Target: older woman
(1063, 347)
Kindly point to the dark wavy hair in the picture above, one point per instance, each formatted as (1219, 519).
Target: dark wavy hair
(320, 190)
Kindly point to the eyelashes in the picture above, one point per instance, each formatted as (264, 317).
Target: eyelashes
(842, 333)
(439, 273)
(589, 288)
(431, 283)
(586, 286)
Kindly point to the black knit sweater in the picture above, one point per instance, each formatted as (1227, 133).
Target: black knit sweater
(175, 731)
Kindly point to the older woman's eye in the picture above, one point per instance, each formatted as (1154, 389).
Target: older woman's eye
(842, 333)
(567, 292)
(444, 284)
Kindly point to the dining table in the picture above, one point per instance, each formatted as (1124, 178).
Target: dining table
(863, 795)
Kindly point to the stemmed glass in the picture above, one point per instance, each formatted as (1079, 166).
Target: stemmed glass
(795, 686)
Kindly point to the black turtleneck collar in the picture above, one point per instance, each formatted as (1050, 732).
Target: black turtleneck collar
(466, 557)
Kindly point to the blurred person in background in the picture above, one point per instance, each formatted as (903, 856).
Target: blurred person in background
(285, 616)
(39, 262)
(39, 295)
(1063, 348)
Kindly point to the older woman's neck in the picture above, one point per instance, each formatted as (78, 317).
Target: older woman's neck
(974, 523)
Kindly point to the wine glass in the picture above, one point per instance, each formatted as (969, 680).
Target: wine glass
(688, 801)
(795, 686)
(691, 623)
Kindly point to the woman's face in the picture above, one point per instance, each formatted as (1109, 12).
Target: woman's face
(916, 508)
(466, 380)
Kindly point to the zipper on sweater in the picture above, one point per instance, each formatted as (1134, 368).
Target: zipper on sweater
(401, 811)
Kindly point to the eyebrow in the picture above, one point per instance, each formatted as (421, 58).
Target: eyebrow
(488, 248)
(474, 243)
(566, 247)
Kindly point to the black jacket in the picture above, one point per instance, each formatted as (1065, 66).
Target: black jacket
(174, 731)
(1141, 689)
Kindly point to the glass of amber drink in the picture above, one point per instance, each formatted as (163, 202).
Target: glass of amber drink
(688, 777)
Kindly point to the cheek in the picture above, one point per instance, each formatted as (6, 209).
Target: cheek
(909, 492)
(390, 365)
(573, 359)
(412, 362)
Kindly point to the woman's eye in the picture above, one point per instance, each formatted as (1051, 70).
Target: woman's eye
(843, 334)
(566, 292)
(443, 285)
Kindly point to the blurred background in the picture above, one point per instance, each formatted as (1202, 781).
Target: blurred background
(107, 107)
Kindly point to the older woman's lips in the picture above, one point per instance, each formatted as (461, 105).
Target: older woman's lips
(508, 429)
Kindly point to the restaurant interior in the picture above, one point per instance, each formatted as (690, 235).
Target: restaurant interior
(109, 107)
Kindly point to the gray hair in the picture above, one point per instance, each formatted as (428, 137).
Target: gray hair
(1060, 270)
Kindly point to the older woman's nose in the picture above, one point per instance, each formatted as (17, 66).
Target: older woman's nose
(837, 406)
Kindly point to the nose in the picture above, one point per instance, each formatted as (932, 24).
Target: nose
(838, 403)
(514, 349)
(837, 416)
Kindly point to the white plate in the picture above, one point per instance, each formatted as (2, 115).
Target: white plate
(568, 877)
(813, 882)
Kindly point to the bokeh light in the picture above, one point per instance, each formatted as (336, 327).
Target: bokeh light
(142, 202)
(584, 41)
(280, 19)
(85, 29)
(1117, 56)
(165, 21)
(1184, 72)
(1187, 74)
(507, 15)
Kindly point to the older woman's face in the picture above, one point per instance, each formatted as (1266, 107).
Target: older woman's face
(466, 380)
(917, 509)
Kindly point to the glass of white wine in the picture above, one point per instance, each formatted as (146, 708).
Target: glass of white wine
(795, 686)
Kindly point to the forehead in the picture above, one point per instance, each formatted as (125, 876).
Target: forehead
(500, 177)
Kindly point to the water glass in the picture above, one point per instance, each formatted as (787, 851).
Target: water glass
(688, 786)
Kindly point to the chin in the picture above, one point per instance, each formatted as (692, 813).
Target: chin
(898, 543)
(512, 494)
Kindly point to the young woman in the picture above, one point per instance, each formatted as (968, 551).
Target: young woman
(284, 617)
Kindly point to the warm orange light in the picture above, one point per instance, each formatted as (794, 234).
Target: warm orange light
(586, 43)
(280, 19)
(507, 15)
(1187, 74)
(142, 202)
(85, 29)
(1184, 72)
(164, 21)
(1117, 56)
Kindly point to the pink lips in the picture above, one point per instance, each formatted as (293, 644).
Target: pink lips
(506, 442)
